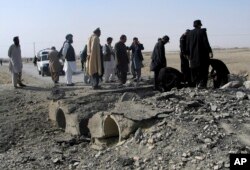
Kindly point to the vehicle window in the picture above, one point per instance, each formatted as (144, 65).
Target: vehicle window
(44, 57)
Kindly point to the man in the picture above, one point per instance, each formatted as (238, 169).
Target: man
(84, 56)
(94, 63)
(184, 59)
(35, 61)
(169, 78)
(199, 51)
(16, 63)
(219, 73)
(109, 61)
(68, 53)
(136, 58)
(122, 60)
(158, 59)
(54, 65)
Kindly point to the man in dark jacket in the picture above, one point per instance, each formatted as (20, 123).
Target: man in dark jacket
(122, 60)
(184, 59)
(136, 58)
(158, 59)
(199, 51)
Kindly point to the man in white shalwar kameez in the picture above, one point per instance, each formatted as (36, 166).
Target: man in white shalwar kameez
(109, 61)
(16, 65)
(68, 53)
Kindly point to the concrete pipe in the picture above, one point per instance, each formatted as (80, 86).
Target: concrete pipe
(66, 117)
(108, 128)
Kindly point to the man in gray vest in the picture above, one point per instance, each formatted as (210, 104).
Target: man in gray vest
(68, 53)
(109, 61)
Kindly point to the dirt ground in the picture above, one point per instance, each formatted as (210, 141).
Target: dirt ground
(203, 128)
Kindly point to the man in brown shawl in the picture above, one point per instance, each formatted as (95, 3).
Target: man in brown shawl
(94, 64)
(54, 65)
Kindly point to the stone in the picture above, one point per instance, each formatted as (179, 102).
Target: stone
(56, 160)
(205, 128)
(225, 115)
(76, 164)
(98, 154)
(241, 95)
(184, 155)
(247, 84)
(138, 135)
(232, 84)
(227, 165)
(216, 167)
(200, 158)
(214, 108)
(151, 141)
(207, 140)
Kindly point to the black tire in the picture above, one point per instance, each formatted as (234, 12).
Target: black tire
(39, 72)
(43, 74)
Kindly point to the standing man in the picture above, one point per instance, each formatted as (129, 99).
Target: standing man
(136, 58)
(54, 65)
(109, 61)
(94, 63)
(83, 56)
(122, 60)
(68, 53)
(184, 58)
(199, 52)
(158, 59)
(16, 64)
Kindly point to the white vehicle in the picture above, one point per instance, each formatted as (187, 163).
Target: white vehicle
(43, 62)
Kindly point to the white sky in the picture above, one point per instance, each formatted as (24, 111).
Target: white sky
(46, 22)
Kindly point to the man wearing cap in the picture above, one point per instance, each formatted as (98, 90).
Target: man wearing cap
(68, 53)
(15, 64)
(94, 63)
(122, 60)
(158, 59)
(109, 61)
(54, 64)
(199, 52)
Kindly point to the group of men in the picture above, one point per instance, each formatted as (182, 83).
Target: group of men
(105, 61)
(195, 54)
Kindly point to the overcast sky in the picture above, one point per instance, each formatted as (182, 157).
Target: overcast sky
(46, 22)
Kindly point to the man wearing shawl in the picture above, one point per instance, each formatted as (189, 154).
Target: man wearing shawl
(94, 63)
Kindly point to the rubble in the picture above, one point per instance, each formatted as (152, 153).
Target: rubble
(182, 129)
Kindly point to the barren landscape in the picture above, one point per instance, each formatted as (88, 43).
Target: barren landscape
(198, 130)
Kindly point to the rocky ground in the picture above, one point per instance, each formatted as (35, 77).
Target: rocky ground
(199, 131)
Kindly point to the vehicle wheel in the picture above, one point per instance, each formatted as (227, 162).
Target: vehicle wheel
(43, 74)
(39, 72)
